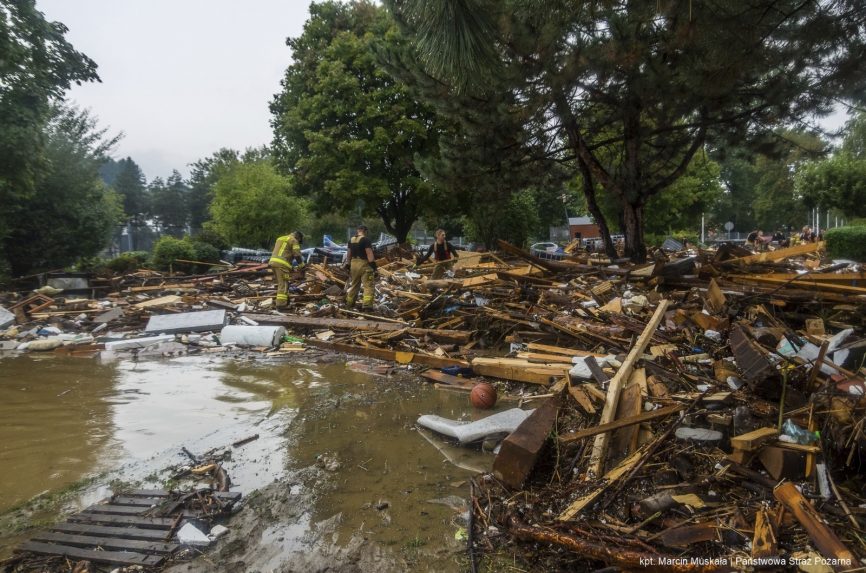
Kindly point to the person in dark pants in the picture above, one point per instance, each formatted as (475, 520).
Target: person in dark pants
(443, 253)
(362, 269)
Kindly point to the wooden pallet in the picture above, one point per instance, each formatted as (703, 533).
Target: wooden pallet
(118, 532)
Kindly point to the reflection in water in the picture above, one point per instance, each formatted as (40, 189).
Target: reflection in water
(390, 481)
(55, 423)
(64, 418)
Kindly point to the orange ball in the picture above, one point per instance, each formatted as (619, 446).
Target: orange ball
(483, 396)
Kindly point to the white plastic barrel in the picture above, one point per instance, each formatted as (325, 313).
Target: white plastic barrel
(243, 335)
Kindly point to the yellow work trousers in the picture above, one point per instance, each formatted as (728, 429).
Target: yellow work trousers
(360, 273)
(281, 273)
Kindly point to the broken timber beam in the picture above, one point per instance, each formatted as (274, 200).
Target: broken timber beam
(625, 558)
(822, 536)
(779, 254)
(520, 449)
(622, 423)
(446, 336)
(384, 354)
(540, 373)
(599, 450)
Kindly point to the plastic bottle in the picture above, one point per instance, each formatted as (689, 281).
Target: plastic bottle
(798, 434)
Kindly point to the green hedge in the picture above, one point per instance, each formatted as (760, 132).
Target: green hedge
(128, 262)
(847, 243)
(167, 250)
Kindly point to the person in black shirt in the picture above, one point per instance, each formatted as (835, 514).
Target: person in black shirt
(362, 269)
(755, 239)
(443, 253)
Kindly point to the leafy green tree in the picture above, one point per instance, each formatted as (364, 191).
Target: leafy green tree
(778, 203)
(680, 207)
(840, 181)
(204, 173)
(169, 204)
(71, 212)
(37, 65)
(346, 131)
(253, 204)
(633, 90)
(130, 184)
(515, 221)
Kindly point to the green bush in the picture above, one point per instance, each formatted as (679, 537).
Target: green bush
(206, 253)
(211, 237)
(847, 243)
(167, 250)
(127, 262)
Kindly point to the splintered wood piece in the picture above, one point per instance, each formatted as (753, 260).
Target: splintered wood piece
(822, 536)
(764, 540)
(715, 297)
(690, 534)
(639, 419)
(610, 477)
(582, 398)
(599, 450)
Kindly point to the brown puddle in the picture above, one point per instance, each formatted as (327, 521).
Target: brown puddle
(374, 476)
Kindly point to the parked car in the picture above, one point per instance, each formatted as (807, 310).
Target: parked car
(546, 247)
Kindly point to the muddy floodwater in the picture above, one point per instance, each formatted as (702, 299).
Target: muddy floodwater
(338, 470)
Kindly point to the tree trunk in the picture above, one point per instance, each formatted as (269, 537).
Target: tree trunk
(632, 216)
(595, 210)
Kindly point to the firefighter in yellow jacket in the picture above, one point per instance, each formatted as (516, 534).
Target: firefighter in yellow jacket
(286, 258)
(362, 268)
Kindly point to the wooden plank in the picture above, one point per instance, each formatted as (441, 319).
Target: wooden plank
(156, 302)
(639, 419)
(752, 440)
(539, 357)
(443, 378)
(479, 280)
(224, 495)
(560, 350)
(108, 531)
(107, 543)
(383, 354)
(842, 278)
(779, 254)
(803, 283)
(599, 450)
(624, 440)
(143, 522)
(111, 557)
(137, 501)
(441, 335)
(108, 509)
(520, 370)
(822, 536)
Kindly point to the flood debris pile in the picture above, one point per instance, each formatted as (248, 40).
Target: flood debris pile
(694, 413)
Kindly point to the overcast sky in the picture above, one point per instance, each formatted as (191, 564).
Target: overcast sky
(181, 78)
